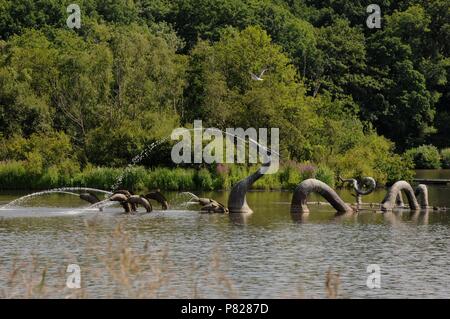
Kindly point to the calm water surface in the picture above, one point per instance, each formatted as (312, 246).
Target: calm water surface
(269, 254)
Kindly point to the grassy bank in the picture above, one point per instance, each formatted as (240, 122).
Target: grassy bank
(17, 175)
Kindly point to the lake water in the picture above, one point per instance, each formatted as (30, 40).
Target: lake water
(269, 254)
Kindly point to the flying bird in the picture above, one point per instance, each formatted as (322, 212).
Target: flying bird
(256, 77)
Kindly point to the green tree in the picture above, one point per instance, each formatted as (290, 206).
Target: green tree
(400, 105)
(424, 156)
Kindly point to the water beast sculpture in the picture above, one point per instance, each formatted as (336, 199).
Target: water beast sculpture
(237, 201)
(416, 200)
(159, 197)
(211, 206)
(367, 186)
(140, 200)
(123, 200)
(91, 198)
(421, 193)
(301, 192)
(394, 198)
(130, 202)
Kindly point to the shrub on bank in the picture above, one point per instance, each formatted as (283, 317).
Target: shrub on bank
(203, 180)
(170, 179)
(326, 175)
(394, 168)
(97, 177)
(13, 173)
(290, 175)
(445, 155)
(424, 157)
(373, 157)
(22, 175)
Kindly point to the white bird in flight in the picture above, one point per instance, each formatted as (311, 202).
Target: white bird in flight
(258, 78)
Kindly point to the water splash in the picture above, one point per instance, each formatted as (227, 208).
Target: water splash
(186, 203)
(102, 204)
(136, 160)
(94, 207)
(62, 190)
(193, 196)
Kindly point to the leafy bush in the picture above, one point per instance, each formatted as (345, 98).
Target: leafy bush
(445, 155)
(372, 156)
(34, 163)
(394, 168)
(97, 177)
(424, 157)
(49, 179)
(268, 182)
(171, 179)
(13, 173)
(66, 170)
(326, 175)
(290, 175)
(204, 180)
(184, 178)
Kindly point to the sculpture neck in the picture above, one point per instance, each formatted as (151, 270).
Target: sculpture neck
(253, 178)
(237, 202)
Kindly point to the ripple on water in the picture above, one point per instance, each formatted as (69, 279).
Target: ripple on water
(267, 255)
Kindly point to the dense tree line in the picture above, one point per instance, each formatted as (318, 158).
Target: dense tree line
(339, 91)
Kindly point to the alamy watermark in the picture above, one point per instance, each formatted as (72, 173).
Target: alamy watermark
(374, 19)
(74, 19)
(374, 279)
(222, 147)
(74, 279)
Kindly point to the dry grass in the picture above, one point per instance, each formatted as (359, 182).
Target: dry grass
(332, 283)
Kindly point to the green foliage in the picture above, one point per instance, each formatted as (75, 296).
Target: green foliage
(102, 178)
(13, 174)
(290, 175)
(128, 78)
(139, 179)
(42, 152)
(373, 156)
(326, 175)
(394, 168)
(445, 155)
(71, 100)
(203, 179)
(30, 175)
(424, 157)
(171, 179)
(344, 53)
(224, 95)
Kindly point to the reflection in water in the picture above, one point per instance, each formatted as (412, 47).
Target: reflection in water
(299, 218)
(400, 216)
(420, 218)
(345, 217)
(393, 217)
(274, 254)
(240, 219)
